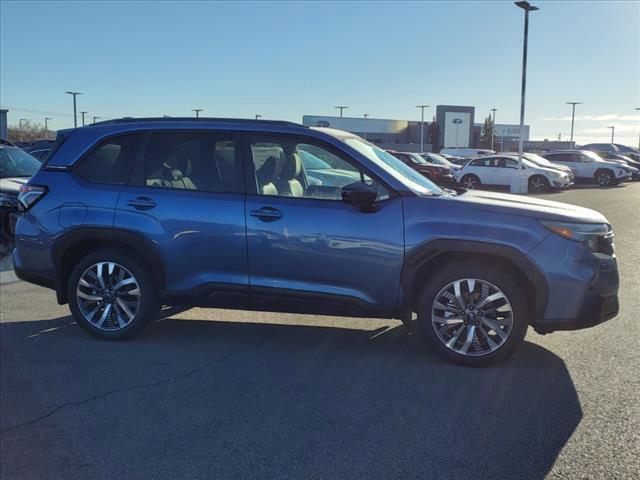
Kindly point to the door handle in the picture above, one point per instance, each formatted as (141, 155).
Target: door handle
(267, 214)
(142, 203)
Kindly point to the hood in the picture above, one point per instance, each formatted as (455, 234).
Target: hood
(11, 186)
(505, 203)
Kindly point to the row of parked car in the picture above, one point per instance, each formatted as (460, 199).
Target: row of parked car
(604, 164)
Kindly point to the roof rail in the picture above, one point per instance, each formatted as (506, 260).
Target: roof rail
(197, 119)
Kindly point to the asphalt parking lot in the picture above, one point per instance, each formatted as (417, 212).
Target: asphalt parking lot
(215, 394)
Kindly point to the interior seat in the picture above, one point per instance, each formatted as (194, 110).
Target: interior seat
(266, 175)
(288, 183)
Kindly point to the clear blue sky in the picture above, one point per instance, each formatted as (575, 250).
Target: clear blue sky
(287, 59)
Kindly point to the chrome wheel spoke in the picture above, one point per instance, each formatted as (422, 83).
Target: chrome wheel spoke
(447, 308)
(490, 299)
(124, 282)
(448, 320)
(455, 338)
(471, 333)
(123, 306)
(91, 298)
(103, 317)
(495, 326)
(458, 293)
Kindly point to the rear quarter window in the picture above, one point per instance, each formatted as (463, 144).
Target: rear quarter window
(111, 161)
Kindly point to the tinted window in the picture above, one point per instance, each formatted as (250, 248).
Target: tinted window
(203, 161)
(281, 170)
(111, 161)
(17, 163)
(561, 157)
(481, 162)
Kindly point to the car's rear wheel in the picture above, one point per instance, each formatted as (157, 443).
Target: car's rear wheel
(111, 294)
(471, 182)
(605, 178)
(539, 184)
(473, 313)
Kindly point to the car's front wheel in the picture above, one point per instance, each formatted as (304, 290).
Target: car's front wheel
(539, 184)
(473, 313)
(471, 182)
(605, 178)
(111, 294)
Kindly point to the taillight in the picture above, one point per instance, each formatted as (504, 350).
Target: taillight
(29, 196)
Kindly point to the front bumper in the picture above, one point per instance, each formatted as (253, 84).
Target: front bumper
(599, 304)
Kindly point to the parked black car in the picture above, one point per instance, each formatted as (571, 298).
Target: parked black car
(16, 167)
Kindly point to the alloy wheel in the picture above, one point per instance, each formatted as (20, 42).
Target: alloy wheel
(604, 179)
(472, 317)
(470, 183)
(538, 185)
(108, 296)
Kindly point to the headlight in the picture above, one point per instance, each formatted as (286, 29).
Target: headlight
(596, 237)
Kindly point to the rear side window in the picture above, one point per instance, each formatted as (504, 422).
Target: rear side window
(111, 161)
(201, 161)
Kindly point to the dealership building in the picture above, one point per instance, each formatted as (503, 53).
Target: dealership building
(454, 127)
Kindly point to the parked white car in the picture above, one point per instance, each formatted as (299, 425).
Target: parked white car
(590, 166)
(500, 170)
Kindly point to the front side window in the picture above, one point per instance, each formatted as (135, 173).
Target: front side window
(288, 167)
(111, 161)
(481, 162)
(200, 161)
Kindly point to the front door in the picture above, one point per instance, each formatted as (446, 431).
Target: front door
(309, 251)
(187, 200)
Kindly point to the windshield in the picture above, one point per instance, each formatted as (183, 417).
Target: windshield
(415, 158)
(439, 159)
(396, 168)
(592, 155)
(17, 163)
(535, 158)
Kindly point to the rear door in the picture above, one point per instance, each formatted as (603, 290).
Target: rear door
(186, 199)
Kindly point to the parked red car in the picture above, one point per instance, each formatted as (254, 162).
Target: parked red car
(438, 173)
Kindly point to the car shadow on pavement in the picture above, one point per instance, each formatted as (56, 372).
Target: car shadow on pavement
(211, 399)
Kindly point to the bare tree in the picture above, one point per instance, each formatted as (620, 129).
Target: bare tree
(27, 131)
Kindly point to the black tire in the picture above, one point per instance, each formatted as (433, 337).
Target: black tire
(499, 277)
(470, 182)
(539, 184)
(605, 178)
(148, 307)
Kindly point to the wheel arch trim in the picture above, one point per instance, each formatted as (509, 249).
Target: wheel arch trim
(117, 237)
(433, 250)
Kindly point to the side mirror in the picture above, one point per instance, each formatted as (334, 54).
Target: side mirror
(359, 195)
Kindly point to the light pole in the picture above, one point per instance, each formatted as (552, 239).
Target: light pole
(46, 126)
(613, 131)
(83, 114)
(364, 126)
(95, 118)
(258, 116)
(493, 126)
(527, 7)
(638, 108)
(341, 108)
(197, 110)
(75, 115)
(422, 107)
(573, 116)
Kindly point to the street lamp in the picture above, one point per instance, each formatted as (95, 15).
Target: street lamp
(341, 108)
(573, 116)
(83, 114)
(638, 108)
(527, 7)
(22, 120)
(364, 126)
(493, 126)
(613, 131)
(197, 110)
(95, 118)
(258, 116)
(422, 107)
(75, 115)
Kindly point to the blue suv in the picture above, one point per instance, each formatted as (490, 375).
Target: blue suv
(132, 214)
